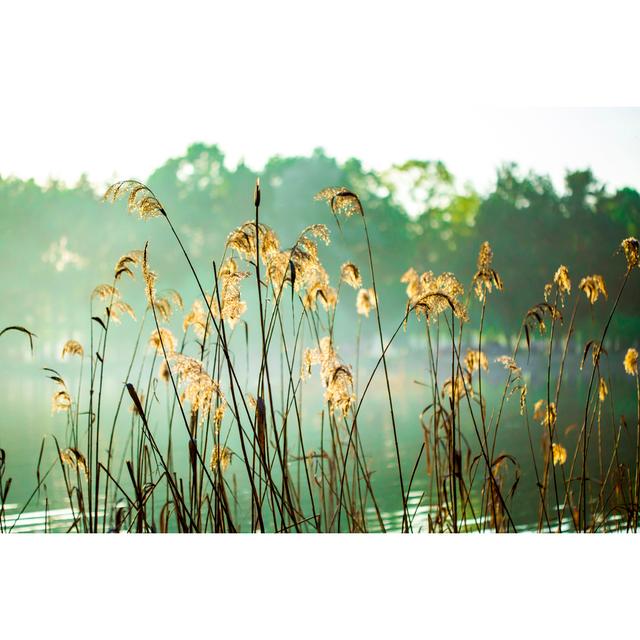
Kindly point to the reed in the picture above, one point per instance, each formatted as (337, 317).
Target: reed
(242, 456)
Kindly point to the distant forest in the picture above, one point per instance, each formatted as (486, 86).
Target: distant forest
(59, 241)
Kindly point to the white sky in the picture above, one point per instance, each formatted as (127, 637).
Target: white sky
(114, 89)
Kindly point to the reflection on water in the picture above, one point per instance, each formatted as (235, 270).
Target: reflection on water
(26, 419)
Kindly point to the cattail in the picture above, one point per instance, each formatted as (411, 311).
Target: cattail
(350, 274)
(73, 348)
(133, 407)
(559, 454)
(593, 286)
(631, 362)
(366, 301)
(256, 193)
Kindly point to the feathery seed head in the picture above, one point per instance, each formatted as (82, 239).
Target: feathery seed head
(473, 360)
(593, 286)
(73, 348)
(350, 274)
(485, 277)
(631, 362)
(75, 460)
(220, 456)
(559, 454)
(631, 248)
(366, 301)
(341, 201)
(140, 199)
(160, 338)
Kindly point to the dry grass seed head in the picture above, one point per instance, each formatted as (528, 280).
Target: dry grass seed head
(456, 388)
(545, 415)
(350, 274)
(341, 201)
(631, 249)
(199, 388)
(118, 308)
(474, 359)
(593, 286)
(149, 279)
(124, 264)
(563, 284)
(161, 338)
(105, 292)
(163, 308)
(60, 401)
(73, 348)
(602, 389)
(336, 377)
(140, 199)
(631, 362)
(559, 454)
(486, 278)
(435, 294)
(243, 241)
(197, 319)
(220, 456)
(75, 460)
(366, 301)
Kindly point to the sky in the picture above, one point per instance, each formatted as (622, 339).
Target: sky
(113, 91)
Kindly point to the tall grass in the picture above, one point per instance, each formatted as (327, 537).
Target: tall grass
(167, 463)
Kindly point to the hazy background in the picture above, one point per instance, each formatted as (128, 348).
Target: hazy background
(59, 239)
